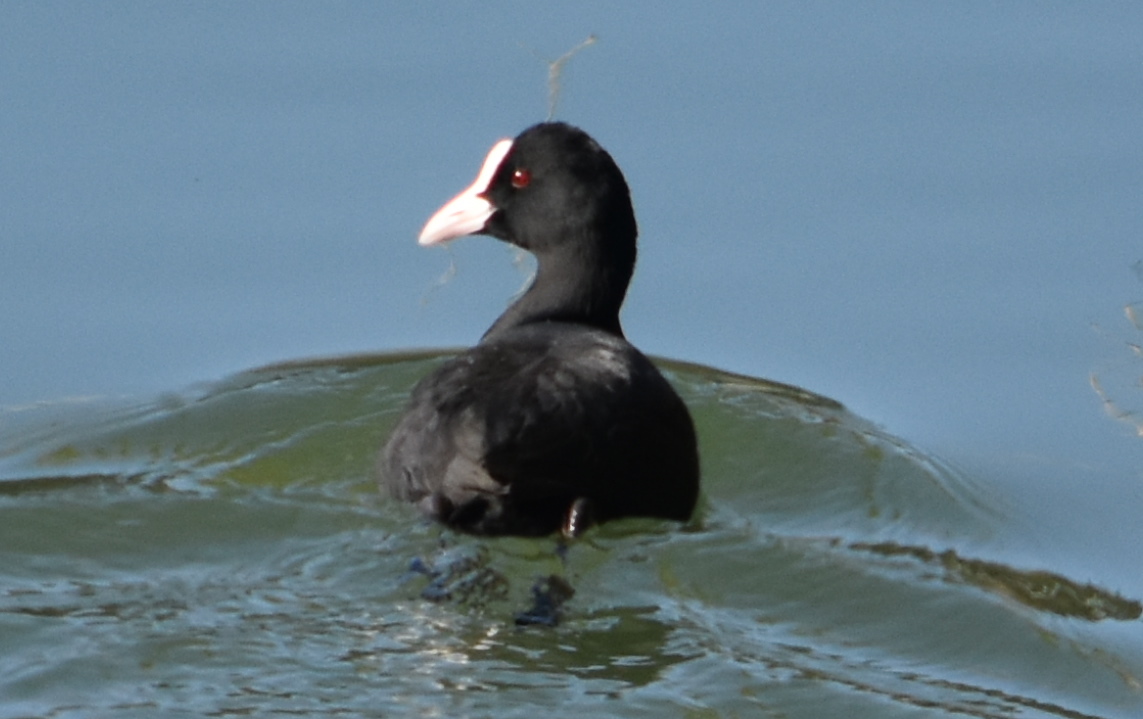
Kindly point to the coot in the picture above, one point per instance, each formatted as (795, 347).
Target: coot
(553, 421)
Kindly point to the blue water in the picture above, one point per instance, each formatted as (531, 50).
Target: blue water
(930, 213)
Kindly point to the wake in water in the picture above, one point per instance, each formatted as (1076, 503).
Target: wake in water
(233, 538)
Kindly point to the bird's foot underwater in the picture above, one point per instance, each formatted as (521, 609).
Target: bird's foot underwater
(461, 574)
(549, 594)
(464, 575)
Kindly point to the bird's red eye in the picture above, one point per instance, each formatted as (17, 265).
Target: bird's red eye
(521, 178)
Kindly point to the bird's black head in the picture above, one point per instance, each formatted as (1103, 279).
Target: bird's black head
(552, 184)
(556, 193)
(556, 185)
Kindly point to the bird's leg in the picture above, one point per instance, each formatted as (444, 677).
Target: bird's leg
(550, 593)
(578, 519)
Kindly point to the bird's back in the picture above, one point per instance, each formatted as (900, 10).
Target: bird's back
(507, 436)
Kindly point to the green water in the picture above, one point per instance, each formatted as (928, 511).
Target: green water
(225, 552)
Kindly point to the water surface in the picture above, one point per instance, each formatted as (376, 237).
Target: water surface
(225, 551)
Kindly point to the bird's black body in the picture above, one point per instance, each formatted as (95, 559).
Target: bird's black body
(553, 420)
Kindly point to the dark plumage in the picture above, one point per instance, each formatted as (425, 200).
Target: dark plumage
(553, 420)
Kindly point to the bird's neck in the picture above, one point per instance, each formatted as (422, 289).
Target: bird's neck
(584, 287)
